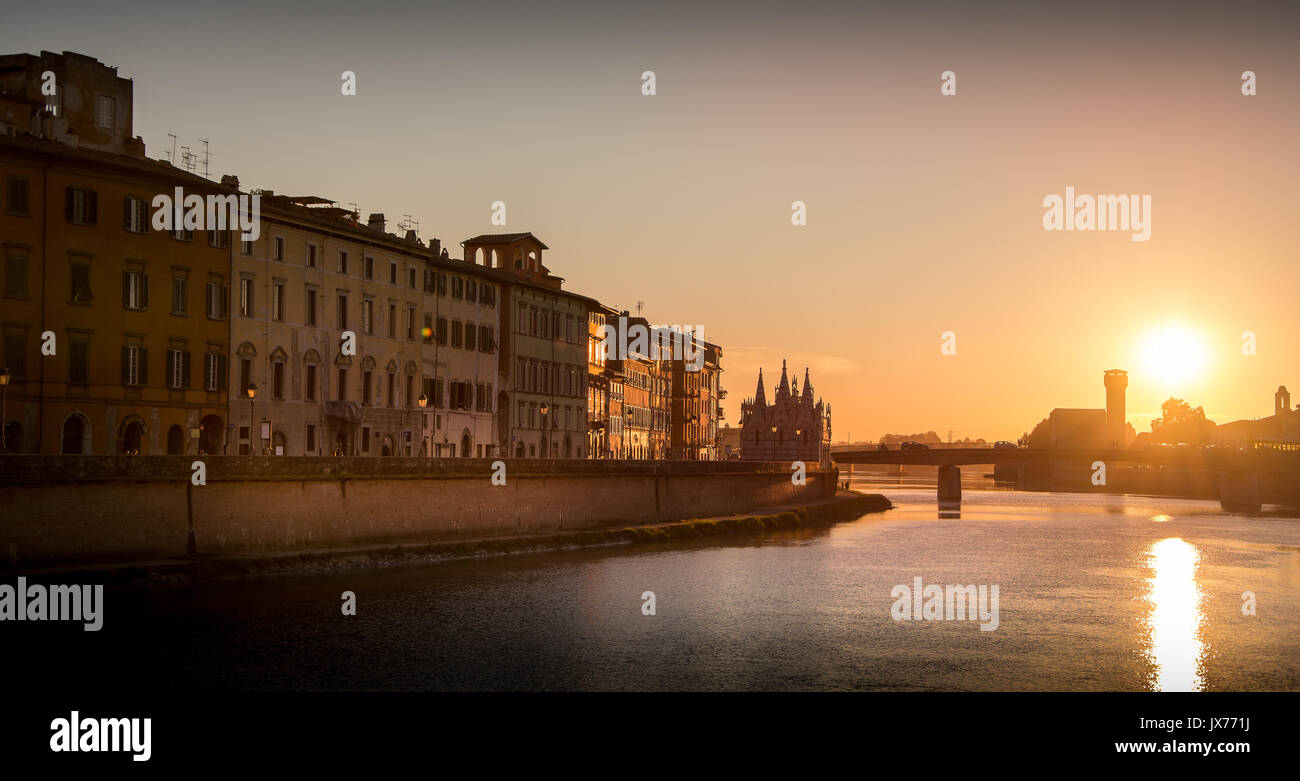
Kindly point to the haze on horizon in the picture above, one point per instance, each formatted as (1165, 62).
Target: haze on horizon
(924, 211)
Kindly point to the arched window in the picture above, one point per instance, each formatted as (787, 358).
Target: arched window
(76, 435)
(175, 441)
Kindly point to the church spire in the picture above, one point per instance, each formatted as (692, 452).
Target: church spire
(760, 398)
(807, 387)
(783, 387)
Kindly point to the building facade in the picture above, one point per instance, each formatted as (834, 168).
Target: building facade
(792, 428)
(355, 341)
(542, 369)
(115, 333)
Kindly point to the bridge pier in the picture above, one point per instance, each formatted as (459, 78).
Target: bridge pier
(1239, 492)
(949, 484)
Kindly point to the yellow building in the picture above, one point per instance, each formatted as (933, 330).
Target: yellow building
(115, 334)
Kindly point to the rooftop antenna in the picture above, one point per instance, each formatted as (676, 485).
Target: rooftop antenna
(639, 305)
(205, 157)
(171, 156)
(356, 212)
(188, 159)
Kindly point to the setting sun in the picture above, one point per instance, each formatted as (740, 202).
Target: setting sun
(1173, 354)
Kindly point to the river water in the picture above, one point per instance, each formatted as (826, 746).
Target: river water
(1094, 593)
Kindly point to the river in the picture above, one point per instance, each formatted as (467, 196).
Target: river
(1094, 593)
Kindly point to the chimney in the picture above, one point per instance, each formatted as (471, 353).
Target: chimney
(410, 235)
(230, 180)
(376, 222)
(435, 245)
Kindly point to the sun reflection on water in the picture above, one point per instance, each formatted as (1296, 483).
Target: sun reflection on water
(1174, 618)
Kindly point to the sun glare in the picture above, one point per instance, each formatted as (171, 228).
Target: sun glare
(1173, 354)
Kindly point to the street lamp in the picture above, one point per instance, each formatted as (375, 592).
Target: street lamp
(546, 442)
(627, 448)
(5, 377)
(797, 433)
(774, 443)
(251, 390)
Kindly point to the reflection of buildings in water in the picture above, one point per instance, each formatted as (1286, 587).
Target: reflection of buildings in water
(1174, 622)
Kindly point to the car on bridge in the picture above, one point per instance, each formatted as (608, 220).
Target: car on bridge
(1005, 445)
(913, 446)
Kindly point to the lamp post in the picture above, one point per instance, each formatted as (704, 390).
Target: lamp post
(627, 426)
(797, 433)
(774, 443)
(5, 377)
(251, 390)
(423, 401)
(546, 440)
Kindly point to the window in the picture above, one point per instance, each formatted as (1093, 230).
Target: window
(309, 387)
(214, 372)
(219, 239)
(178, 369)
(471, 291)
(456, 328)
(457, 287)
(410, 322)
(342, 391)
(180, 233)
(442, 285)
(245, 375)
(470, 332)
(309, 306)
(80, 206)
(135, 290)
(437, 393)
(277, 301)
(410, 278)
(311, 255)
(410, 398)
(216, 299)
(15, 345)
(367, 383)
(367, 316)
(311, 437)
(15, 272)
(392, 321)
(245, 247)
(442, 330)
(246, 297)
(16, 196)
(427, 332)
(277, 248)
(277, 380)
(105, 111)
(343, 261)
(79, 358)
(134, 365)
(135, 216)
(180, 294)
(368, 267)
(343, 312)
(392, 272)
(391, 397)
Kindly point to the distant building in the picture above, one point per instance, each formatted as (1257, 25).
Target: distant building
(1282, 426)
(792, 428)
(1072, 429)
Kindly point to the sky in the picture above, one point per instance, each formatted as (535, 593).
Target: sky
(924, 211)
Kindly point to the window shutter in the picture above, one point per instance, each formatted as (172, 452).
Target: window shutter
(144, 291)
(126, 213)
(144, 367)
(185, 369)
(225, 301)
(221, 372)
(125, 360)
(92, 204)
(67, 203)
(126, 289)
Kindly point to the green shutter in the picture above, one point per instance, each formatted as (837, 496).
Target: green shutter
(185, 369)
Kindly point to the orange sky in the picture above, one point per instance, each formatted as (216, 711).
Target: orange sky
(924, 211)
